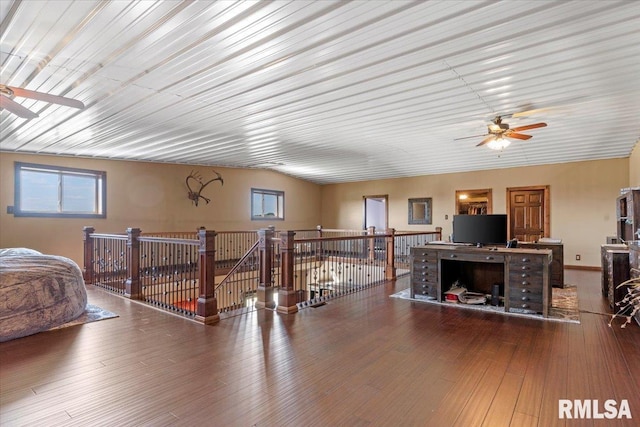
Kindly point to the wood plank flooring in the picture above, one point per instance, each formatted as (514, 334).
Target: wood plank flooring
(361, 360)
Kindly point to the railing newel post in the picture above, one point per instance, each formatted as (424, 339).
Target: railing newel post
(287, 295)
(132, 284)
(390, 267)
(265, 287)
(371, 231)
(207, 305)
(88, 268)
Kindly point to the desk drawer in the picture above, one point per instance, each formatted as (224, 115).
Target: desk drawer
(525, 291)
(425, 276)
(525, 278)
(425, 289)
(488, 257)
(526, 259)
(517, 299)
(425, 256)
(525, 305)
(424, 269)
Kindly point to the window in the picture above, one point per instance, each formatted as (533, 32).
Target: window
(52, 191)
(267, 204)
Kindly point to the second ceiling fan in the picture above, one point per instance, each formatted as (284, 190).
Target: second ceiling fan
(498, 132)
(7, 93)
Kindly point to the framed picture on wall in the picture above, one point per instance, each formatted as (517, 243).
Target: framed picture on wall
(420, 211)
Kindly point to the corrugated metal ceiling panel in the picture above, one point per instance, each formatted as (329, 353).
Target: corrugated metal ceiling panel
(322, 90)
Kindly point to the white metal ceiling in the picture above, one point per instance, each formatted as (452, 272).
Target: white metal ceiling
(322, 90)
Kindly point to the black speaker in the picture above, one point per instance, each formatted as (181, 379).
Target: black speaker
(495, 294)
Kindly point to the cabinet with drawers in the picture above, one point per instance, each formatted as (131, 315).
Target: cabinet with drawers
(528, 287)
(523, 272)
(424, 273)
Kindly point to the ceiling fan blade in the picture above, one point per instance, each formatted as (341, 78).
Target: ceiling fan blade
(15, 108)
(517, 135)
(531, 112)
(487, 140)
(469, 137)
(527, 127)
(41, 96)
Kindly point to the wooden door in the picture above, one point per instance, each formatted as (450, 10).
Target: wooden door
(528, 213)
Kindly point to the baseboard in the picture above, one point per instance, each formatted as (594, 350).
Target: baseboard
(582, 267)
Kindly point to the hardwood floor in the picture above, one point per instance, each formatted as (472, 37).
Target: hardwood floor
(361, 360)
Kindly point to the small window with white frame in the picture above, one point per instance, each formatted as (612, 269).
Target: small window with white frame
(54, 191)
(267, 204)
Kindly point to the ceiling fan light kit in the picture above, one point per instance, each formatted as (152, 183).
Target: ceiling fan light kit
(498, 143)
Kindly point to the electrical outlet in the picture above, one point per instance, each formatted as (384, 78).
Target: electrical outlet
(577, 257)
(446, 217)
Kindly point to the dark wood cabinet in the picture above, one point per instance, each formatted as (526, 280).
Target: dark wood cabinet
(634, 266)
(628, 215)
(618, 271)
(605, 264)
(557, 263)
(523, 274)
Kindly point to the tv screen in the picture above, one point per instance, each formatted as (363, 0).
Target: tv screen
(480, 229)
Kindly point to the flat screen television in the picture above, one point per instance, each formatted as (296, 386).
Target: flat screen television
(480, 230)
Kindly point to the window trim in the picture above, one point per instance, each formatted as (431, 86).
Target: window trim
(101, 196)
(262, 191)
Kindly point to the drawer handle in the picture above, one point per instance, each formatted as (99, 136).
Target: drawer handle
(525, 306)
(525, 259)
(526, 267)
(525, 298)
(525, 283)
(453, 256)
(489, 258)
(525, 275)
(525, 291)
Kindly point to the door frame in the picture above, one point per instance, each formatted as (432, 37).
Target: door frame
(547, 206)
(386, 209)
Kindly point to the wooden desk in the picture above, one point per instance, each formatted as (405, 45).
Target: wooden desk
(524, 273)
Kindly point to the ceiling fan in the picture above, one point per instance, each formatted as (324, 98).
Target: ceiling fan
(7, 93)
(498, 132)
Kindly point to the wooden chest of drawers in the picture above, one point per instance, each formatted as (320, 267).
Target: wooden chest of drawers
(424, 273)
(526, 282)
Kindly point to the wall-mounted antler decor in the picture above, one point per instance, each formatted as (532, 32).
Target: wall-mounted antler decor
(195, 177)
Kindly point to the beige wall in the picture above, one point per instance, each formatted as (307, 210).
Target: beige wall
(153, 197)
(634, 166)
(582, 200)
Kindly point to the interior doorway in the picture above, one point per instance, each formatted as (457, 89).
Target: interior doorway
(529, 213)
(376, 212)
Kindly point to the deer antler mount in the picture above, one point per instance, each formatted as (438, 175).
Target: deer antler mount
(195, 179)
